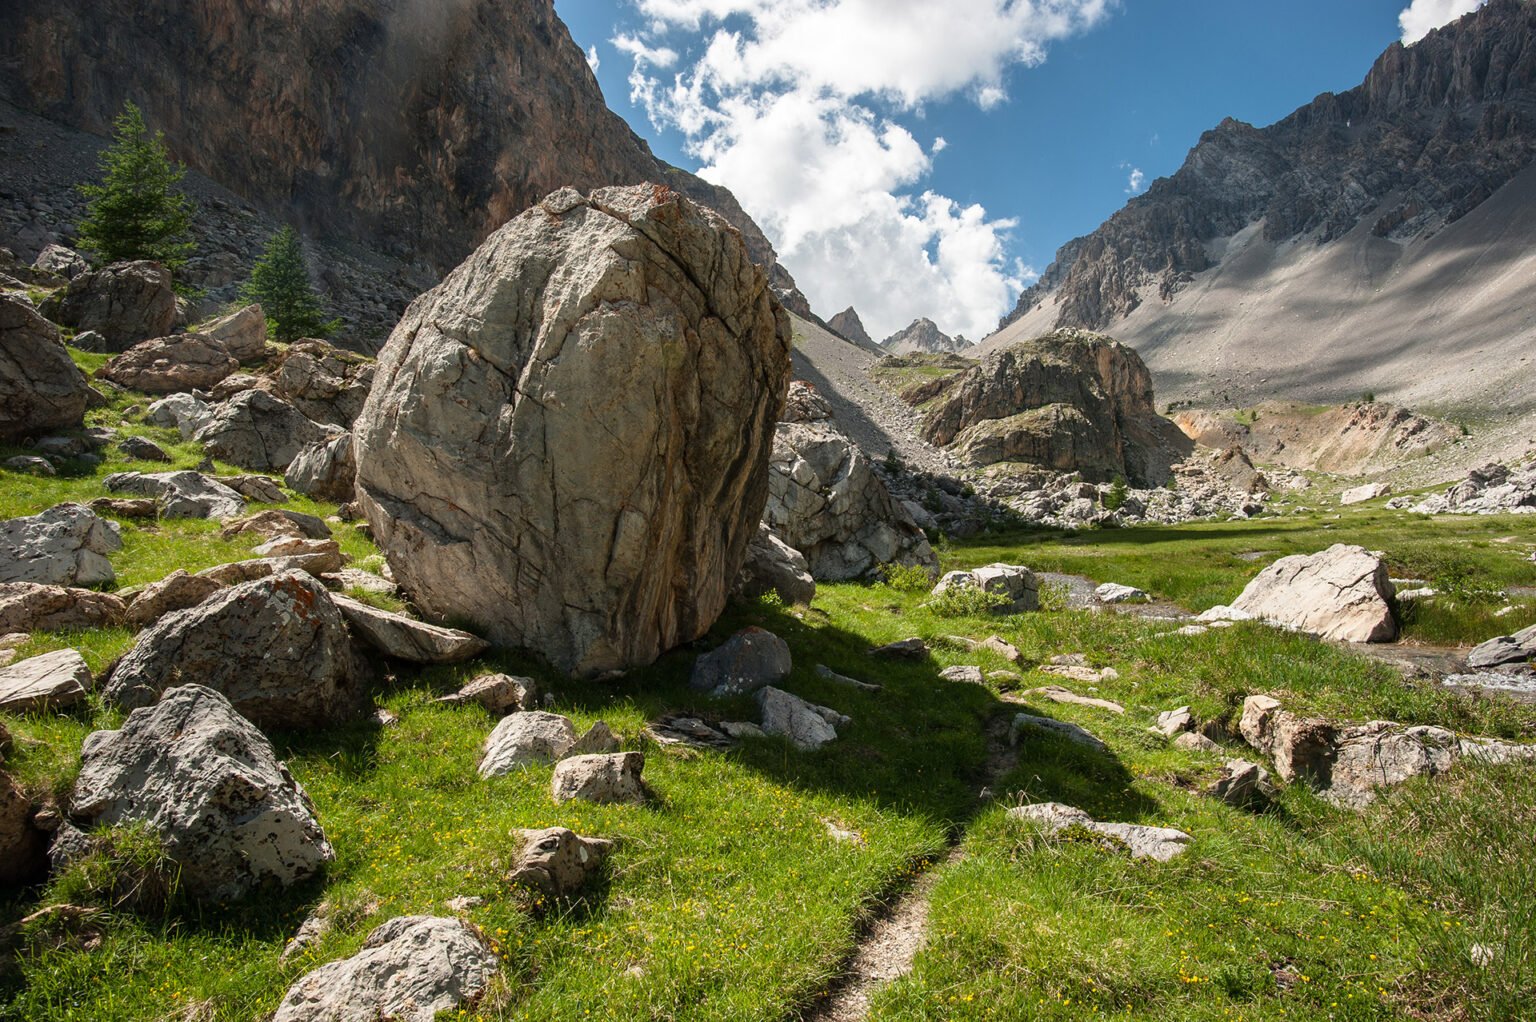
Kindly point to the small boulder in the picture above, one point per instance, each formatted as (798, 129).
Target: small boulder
(276, 647)
(32, 466)
(1361, 494)
(324, 470)
(30, 607)
(1015, 582)
(41, 389)
(184, 413)
(53, 681)
(1174, 722)
(207, 782)
(410, 969)
(608, 778)
(1071, 732)
(276, 523)
(170, 365)
(1158, 843)
(558, 863)
(1244, 785)
(1113, 593)
(1193, 741)
(526, 738)
(243, 333)
(65, 545)
(319, 555)
(964, 673)
(184, 494)
(903, 649)
(805, 724)
(1340, 593)
(255, 430)
(177, 591)
(398, 636)
(498, 693)
(742, 664)
(260, 489)
(1007, 650)
(327, 384)
(140, 449)
(1519, 648)
(774, 566)
(124, 302)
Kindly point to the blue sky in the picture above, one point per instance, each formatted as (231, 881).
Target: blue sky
(825, 118)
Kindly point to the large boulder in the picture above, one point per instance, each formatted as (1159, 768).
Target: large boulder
(41, 389)
(255, 430)
(184, 494)
(325, 383)
(32, 607)
(65, 545)
(207, 782)
(242, 332)
(325, 470)
(169, 365)
(773, 566)
(55, 681)
(566, 443)
(125, 303)
(1340, 593)
(742, 664)
(277, 647)
(410, 969)
(826, 501)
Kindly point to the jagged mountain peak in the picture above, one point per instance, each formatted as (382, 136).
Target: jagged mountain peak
(847, 324)
(923, 336)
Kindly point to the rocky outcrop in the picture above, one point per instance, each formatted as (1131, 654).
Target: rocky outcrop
(1490, 490)
(1157, 843)
(324, 470)
(923, 337)
(167, 365)
(1071, 401)
(411, 969)
(125, 303)
(207, 783)
(65, 545)
(632, 361)
(184, 494)
(848, 325)
(40, 387)
(1339, 593)
(325, 383)
(825, 500)
(258, 431)
(276, 647)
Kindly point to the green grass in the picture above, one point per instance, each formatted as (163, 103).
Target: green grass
(727, 897)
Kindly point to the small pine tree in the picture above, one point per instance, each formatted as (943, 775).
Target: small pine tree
(280, 282)
(136, 212)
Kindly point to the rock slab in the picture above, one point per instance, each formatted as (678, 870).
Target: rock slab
(1340, 593)
(56, 680)
(1157, 843)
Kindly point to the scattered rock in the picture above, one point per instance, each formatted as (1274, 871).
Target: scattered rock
(1028, 721)
(826, 501)
(260, 489)
(183, 494)
(742, 664)
(1015, 582)
(1006, 650)
(400, 637)
(1192, 741)
(142, 450)
(31, 466)
(325, 383)
(558, 863)
(184, 413)
(207, 782)
(409, 970)
(1491, 489)
(1057, 694)
(177, 591)
(1158, 843)
(548, 331)
(40, 387)
(30, 607)
(689, 731)
(1505, 650)
(324, 470)
(1341, 593)
(276, 523)
(1174, 722)
(1073, 672)
(604, 779)
(963, 673)
(258, 431)
(1112, 593)
(823, 671)
(1361, 494)
(124, 302)
(903, 649)
(276, 647)
(65, 545)
(498, 693)
(806, 725)
(1244, 785)
(170, 365)
(54, 681)
(243, 333)
(774, 566)
(526, 738)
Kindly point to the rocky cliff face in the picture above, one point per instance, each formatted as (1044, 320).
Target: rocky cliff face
(1073, 402)
(923, 337)
(411, 127)
(1435, 130)
(848, 324)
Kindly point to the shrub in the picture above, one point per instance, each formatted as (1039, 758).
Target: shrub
(1054, 595)
(906, 578)
(1114, 500)
(136, 212)
(280, 282)
(966, 601)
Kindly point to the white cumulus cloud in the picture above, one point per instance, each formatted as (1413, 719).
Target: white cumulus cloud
(794, 105)
(593, 61)
(1424, 16)
(1134, 183)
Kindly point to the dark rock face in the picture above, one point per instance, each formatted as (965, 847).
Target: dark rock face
(411, 127)
(125, 303)
(1072, 401)
(1436, 128)
(923, 337)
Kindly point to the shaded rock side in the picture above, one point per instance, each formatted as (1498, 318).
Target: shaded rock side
(255, 430)
(324, 470)
(773, 566)
(41, 389)
(566, 442)
(826, 501)
(1339, 593)
(1072, 401)
(124, 302)
(207, 782)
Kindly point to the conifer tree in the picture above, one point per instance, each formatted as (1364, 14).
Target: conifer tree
(137, 212)
(280, 282)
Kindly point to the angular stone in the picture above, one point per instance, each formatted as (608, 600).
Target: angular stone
(182, 412)
(557, 862)
(65, 545)
(243, 333)
(1174, 722)
(1158, 843)
(410, 969)
(1244, 785)
(526, 738)
(140, 449)
(255, 430)
(30, 607)
(1027, 721)
(124, 302)
(170, 365)
(603, 779)
(567, 442)
(1192, 741)
(183, 494)
(807, 725)
(276, 647)
(1506, 649)
(207, 782)
(177, 591)
(599, 738)
(690, 731)
(774, 566)
(1340, 593)
(742, 664)
(40, 387)
(260, 489)
(964, 673)
(54, 681)
(61, 261)
(1113, 592)
(398, 636)
(324, 470)
(31, 466)
(1361, 494)
(278, 522)
(498, 693)
(141, 508)
(325, 383)
(903, 649)
(1007, 650)
(319, 556)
